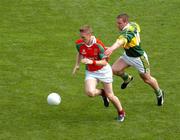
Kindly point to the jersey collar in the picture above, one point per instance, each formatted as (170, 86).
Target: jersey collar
(93, 41)
(126, 26)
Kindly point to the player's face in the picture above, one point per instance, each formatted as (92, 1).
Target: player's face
(121, 24)
(85, 36)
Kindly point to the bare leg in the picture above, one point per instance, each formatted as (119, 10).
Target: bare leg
(154, 84)
(119, 66)
(110, 95)
(147, 78)
(90, 88)
(118, 69)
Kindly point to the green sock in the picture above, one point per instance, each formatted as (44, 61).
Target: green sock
(125, 77)
(158, 92)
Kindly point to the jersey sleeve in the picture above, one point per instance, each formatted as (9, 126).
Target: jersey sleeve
(78, 47)
(126, 36)
(78, 44)
(101, 53)
(100, 42)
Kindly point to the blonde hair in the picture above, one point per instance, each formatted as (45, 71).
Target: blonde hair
(86, 29)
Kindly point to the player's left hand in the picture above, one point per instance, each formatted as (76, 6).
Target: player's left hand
(86, 61)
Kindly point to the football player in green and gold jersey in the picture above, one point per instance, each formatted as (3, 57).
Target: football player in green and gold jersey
(134, 55)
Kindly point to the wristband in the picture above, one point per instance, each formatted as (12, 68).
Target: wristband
(94, 62)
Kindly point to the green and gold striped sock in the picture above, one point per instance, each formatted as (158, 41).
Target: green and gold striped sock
(158, 92)
(126, 77)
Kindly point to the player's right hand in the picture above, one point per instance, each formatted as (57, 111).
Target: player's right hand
(108, 52)
(86, 61)
(75, 69)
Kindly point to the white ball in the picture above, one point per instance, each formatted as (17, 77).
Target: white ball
(54, 99)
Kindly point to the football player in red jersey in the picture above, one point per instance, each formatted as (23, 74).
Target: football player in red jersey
(91, 53)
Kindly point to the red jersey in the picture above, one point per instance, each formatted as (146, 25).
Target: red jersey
(94, 52)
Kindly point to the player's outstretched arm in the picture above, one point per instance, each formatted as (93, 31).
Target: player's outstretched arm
(76, 67)
(117, 44)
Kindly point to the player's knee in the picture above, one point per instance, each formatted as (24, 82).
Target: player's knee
(90, 93)
(116, 71)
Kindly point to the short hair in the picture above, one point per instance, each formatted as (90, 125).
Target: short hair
(86, 29)
(124, 16)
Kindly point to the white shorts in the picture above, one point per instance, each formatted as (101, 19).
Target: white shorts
(104, 75)
(140, 63)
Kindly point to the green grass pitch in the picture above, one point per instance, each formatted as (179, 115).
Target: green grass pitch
(37, 54)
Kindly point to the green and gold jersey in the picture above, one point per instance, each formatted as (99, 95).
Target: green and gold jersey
(132, 38)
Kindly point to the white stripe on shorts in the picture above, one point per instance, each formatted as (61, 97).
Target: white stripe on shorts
(140, 63)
